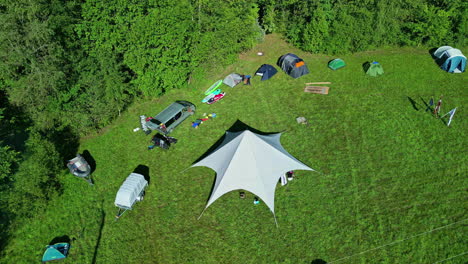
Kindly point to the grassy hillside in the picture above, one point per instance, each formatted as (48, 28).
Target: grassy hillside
(389, 171)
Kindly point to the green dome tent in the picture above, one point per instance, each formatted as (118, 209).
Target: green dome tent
(56, 252)
(373, 69)
(336, 64)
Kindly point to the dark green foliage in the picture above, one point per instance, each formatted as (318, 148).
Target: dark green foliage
(338, 27)
(36, 180)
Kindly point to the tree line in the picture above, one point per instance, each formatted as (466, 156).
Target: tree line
(69, 67)
(343, 26)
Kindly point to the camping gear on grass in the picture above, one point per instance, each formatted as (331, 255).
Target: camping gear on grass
(161, 141)
(336, 64)
(450, 59)
(56, 252)
(79, 167)
(200, 121)
(213, 87)
(373, 69)
(302, 120)
(293, 65)
(246, 79)
(266, 71)
(143, 125)
(216, 98)
(232, 79)
(131, 191)
(211, 95)
(316, 89)
(251, 162)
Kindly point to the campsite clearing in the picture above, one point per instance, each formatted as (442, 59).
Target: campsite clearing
(388, 172)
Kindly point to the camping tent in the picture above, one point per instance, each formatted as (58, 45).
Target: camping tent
(56, 252)
(79, 167)
(373, 69)
(266, 71)
(131, 191)
(293, 65)
(450, 59)
(252, 162)
(232, 79)
(336, 64)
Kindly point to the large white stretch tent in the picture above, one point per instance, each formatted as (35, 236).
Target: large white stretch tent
(251, 162)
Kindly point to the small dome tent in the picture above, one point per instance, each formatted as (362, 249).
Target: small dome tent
(232, 80)
(373, 69)
(266, 71)
(79, 167)
(336, 64)
(55, 252)
(293, 65)
(450, 59)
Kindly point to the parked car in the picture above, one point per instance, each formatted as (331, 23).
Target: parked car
(172, 116)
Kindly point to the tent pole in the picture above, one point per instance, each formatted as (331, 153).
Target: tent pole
(276, 222)
(201, 213)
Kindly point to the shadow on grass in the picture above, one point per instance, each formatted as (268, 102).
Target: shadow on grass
(89, 158)
(413, 103)
(60, 239)
(366, 66)
(428, 107)
(437, 61)
(66, 141)
(98, 242)
(143, 170)
(6, 218)
(318, 261)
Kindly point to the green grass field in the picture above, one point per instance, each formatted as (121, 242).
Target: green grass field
(387, 173)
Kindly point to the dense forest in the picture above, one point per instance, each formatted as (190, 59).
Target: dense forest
(68, 68)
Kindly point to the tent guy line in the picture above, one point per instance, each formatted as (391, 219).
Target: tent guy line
(401, 240)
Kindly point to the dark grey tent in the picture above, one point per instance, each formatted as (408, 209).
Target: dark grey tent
(293, 65)
(266, 71)
(79, 167)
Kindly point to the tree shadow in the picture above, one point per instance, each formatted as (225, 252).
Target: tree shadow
(318, 261)
(413, 103)
(60, 239)
(98, 242)
(5, 220)
(89, 158)
(13, 125)
(143, 170)
(66, 141)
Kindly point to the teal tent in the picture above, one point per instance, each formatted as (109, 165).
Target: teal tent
(336, 64)
(55, 252)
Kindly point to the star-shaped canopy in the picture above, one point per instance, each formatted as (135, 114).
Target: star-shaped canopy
(252, 162)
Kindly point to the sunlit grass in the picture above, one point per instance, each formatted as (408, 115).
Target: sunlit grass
(386, 172)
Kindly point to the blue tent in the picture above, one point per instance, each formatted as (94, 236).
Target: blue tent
(55, 252)
(450, 59)
(266, 71)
